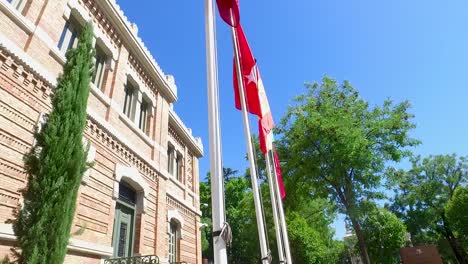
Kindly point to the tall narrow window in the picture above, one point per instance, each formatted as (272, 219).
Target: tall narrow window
(128, 101)
(100, 68)
(18, 4)
(143, 122)
(170, 159)
(124, 221)
(69, 36)
(179, 167)
(173, 242)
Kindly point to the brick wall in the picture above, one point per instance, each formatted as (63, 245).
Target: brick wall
(29, 64)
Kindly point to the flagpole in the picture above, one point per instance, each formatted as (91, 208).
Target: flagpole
(217, 190)
(274, 207)
(284, 229)
(253, 170)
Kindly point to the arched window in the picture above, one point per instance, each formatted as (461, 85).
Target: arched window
(174, 237)
(124, 221)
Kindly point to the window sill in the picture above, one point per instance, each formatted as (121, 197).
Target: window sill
(57, 55)
(100, 95)
(176, 182)
(135, 129)
(16, 16)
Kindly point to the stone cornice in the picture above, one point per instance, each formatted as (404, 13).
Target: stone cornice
(194, 143)
(136, 45)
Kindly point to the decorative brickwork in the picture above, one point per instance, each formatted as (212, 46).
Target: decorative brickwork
(27, 80)
(176, 138)
(146, 79)
(99, 133)
(189, 170)
(102, 22)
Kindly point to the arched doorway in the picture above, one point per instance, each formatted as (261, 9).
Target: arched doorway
(124, 221)
(174, 239)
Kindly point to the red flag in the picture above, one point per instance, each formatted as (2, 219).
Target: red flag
(229, 11)
(249, 73)
(257, 102)
(279, 176)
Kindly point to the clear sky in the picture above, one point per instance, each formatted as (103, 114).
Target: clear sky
(399, 49)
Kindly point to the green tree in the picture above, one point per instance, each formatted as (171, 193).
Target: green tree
(308, 223)
(457, 213)
(385, 235)
(240, 215)
(336, 145)
(56, 164)
(422, 194)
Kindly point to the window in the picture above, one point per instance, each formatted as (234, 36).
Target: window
(100, 68)
(173, 242)
(18, 4)
(170, 159)
(174, 163)
(128, 101)
(143, 122)
(69, 38)
(179, 167)
(124, 221)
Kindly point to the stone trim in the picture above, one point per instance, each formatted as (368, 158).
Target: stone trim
(132, 76)
(176, 182)
(74, 9)
(89, 159)
(129, 33)
(100, 95)
(194, 143)
(37, 68)
(136, 129)
(16, 16)
(134, 178)
(121, 139)
(44, 79)
(174, 214)
(6, 232)
(78, 245)
(25, 59)
(181, 204)
(82, 246)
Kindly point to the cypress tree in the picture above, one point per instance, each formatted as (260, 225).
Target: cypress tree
(56, 164)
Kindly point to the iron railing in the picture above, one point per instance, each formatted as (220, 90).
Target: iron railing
(150, 259)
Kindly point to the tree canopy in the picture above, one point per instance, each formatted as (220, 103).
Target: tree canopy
(421, 197)
(385, 235)
(337, 146)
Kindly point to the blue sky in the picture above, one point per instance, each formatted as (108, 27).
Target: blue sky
(399, 49)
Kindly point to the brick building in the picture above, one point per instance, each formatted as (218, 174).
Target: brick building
(141, 197)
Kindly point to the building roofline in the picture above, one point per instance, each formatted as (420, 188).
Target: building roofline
(134, 43)
(195, 144)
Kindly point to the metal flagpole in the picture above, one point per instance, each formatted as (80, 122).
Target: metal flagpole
(217, 190)
(274, 207)
(253, 170)
(284, 229)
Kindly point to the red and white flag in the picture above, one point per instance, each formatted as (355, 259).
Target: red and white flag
(229, 11)
(279, 176)
(255, 96)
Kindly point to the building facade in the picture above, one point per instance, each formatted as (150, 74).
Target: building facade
(141, 197)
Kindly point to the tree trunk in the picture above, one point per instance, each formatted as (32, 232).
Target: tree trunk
(356, 226)
(454, 243)
(361, 242)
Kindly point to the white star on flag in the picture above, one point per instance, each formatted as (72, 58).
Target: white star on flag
(252, 77)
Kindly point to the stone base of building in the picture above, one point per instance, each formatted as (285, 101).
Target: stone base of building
(79, 252)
